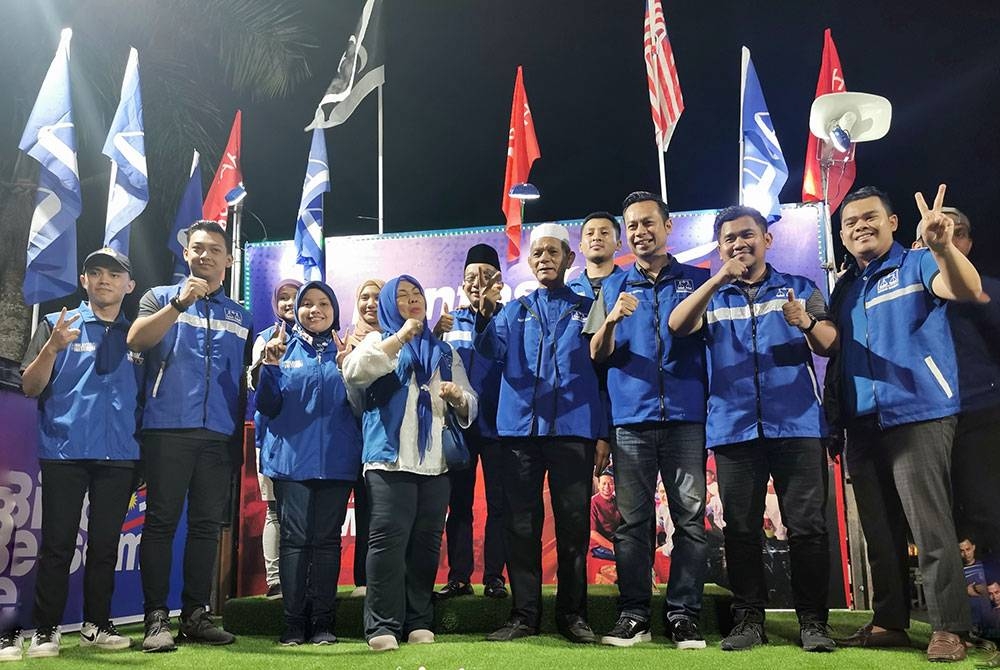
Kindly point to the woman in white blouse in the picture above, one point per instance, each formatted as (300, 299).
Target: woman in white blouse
(406, 399)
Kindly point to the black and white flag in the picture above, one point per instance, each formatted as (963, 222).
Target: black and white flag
(361, 70)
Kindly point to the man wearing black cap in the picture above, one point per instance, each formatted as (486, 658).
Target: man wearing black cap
(482, 264)
(79, 368)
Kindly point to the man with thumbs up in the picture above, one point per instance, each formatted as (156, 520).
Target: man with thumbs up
(765, 420)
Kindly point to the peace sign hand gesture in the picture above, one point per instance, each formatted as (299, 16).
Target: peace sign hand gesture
(487, 301)
(937, 226)
(276, 346)
(62, 334)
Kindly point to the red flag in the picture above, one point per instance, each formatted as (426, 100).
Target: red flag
(227, 177)
(831, 80)
(522, 150)
(665, 97)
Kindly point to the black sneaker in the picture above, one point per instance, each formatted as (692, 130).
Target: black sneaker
(495, 589)
(744, 635)
(199, 627)
(158, 637)
(576, 629)
(292, 637)
(453, 589)
(273, 592)
(514, 629)
(627, 631)
(685, 634)
(816, 636)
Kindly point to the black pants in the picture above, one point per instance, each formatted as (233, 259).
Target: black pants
(310, 514)
(64, 485)
(570, 465)
(362, 518)
(459, 526)
(178, 467)
(403, 550)
(902, 477)
(974, 467)
(800, 480)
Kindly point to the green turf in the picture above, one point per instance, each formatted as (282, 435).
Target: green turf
(547, 651)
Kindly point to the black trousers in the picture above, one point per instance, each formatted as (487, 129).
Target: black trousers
(458, 529)
(64, 485)
(362, 520)
(178, 467)
(569, 464)
(800, 473)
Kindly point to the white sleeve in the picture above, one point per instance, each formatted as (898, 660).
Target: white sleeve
(255, 358)
(367, 363)
(459, 377)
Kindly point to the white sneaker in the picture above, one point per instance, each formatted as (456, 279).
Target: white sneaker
(383, 643)
(12, 645)
(45, 642)
(421, 636)
(359, 592)
(103, 637)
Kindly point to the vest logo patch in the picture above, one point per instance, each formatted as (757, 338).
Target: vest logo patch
(684, 285)
(234, 315)
(578, 316)
(888, 282)
(782, 292)
(135, 358)
(84, 347)
(289, 365)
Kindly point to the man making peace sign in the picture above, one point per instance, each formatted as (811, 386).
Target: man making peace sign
(895, 390)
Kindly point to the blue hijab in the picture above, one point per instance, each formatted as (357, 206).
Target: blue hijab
(420, 356)
(319, 341)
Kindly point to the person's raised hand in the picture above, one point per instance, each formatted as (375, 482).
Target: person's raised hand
(625, 306)
(795, 312)
(937, 226)
(194, 289)
(731, 270)
(452, 394)
(411, 328)
(487, 303)
(276, 346)
(63, 334)
(445, 322)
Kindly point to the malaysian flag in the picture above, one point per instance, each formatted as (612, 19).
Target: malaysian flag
(661, 75)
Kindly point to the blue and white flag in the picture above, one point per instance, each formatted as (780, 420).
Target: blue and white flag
(189, 210)
(50, 138)
(309, 227)
(128, 194)
(763, 168)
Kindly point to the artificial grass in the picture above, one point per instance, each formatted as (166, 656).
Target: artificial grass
(470, 652)
(473, 615)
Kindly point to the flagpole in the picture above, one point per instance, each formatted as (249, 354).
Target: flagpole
(36, 313)
(663, 174)
(237, 269)
(745, 58)
(381, 211)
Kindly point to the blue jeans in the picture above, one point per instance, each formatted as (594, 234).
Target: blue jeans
(677, 451)
(310, 515)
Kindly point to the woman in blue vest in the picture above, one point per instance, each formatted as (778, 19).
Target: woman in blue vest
(311, 450)
(283, 303)
(410, 379)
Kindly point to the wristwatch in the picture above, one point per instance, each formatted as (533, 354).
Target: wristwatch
(812, 324)
(176, 304)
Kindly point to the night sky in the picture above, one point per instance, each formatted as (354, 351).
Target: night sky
(450, 73)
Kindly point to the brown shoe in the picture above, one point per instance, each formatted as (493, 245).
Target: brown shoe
(866, 637)
(945, 647)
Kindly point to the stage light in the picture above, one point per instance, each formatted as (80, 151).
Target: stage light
(843, 119)
(524, 191)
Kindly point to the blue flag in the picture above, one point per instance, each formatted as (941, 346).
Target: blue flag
(188, 211)
(763, 168)
(128, 194)
(50, 138)
(309, 227)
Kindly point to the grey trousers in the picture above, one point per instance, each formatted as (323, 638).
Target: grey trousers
(404, 545)
(902, 477)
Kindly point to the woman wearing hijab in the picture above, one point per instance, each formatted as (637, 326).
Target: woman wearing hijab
(312, 452)
(406, 398)
(366, 301)
(283, 303)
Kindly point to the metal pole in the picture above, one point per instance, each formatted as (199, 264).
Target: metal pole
(236, 216)
(663, 175)
(381, 210)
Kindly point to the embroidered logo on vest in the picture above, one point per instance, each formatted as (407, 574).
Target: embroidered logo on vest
(888, 282)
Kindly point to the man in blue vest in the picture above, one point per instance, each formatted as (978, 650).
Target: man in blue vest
(895, 390)
(600, 240)
(197, 344)
(551, 421)
(765, 420)
(482, 268)
(79, 368)
(657, 387)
